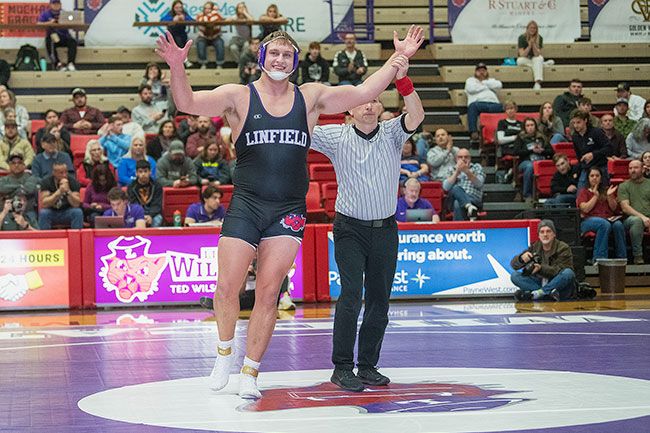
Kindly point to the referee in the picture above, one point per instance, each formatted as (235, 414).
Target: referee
(366, 157)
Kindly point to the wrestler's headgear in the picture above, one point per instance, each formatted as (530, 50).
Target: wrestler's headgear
(278, 75)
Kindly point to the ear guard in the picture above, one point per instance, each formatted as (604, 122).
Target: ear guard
(262, 56)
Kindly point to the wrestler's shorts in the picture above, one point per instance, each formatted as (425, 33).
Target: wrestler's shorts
(252, 219)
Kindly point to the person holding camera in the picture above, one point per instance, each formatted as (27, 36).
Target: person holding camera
(20, 182)
(13, 215)
(546, 268)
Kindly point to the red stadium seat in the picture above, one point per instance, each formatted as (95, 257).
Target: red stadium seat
(600, 114)
(489, 122)
(322, 173)
(78, 142)
(226, 190)
(433, 192)
(148, 137)
(178, 199)
(178, 119)
(315, 210)
(329, 191)
(37, 124)
(314, 157)
(331, 119)
(618, 170)
(77, 158)
(82, 193)
(566, 148)
(543, 173)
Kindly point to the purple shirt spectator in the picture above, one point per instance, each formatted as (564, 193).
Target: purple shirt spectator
(197, 212)
(402, 206)
(92, 196)
(133, 213)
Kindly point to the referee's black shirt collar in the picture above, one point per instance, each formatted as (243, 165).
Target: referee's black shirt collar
(364, 135)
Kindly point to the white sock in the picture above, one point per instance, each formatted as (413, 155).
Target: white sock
(220, 375)
(248, 379)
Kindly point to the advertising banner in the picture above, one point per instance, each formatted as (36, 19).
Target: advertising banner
(34, 273)
(502, 21)
(620, 21)
(163, 269)
(24, 12)
(111, 21)
(449, 262)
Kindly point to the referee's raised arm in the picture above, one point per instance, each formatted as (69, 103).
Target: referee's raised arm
(412, 103)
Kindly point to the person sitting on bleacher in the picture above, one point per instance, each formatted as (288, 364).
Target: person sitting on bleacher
(148, 114)
(584, 104)
(60, 201)
(638, 140)
(249, 68)
(203, 136)
(12, 143)
(238, 43)
(530, 146)
(208, 210)
(350, 64)
(115, 143)
(159, 82)
(20, 181)
(481, 97)
(314, 68)
(549, 124)
(412, 166)
(508, 129)
(529, 49)
(622, 123)
(161, 142)
(55, 38)
(271, 20)
(442, 156)
(126, 171)
(9, 103)
(634, 197)
(93, 158)
(601, 214)
(133, 213)
(175, 168)
(411, 200)
(54, 126)
(211, 167)
(129, 127)
(619, 148)
(95, 199)
(178, 31)
(637, 105)
(82, 118)
(210, 36)
(13, 217)
(147, 193)
(464, 186)
(645, 160)
(591, 145)
(564, 104)
(564, 184)
(43, 162)
(646, 110)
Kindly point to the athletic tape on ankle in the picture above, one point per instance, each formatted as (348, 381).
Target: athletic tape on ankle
(224, 352)
(249, 371)
(404, 86)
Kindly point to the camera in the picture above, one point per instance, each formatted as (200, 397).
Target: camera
(17, 205)
(528, 269)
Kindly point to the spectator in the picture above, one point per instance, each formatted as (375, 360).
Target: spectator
(547, 268)
(481, 97)
(133, 213)
(584, 104)
(8, 101)
(350, 65)
(186, 127)
(529, 49)
(12, 143)
(148, 114)
(464, 186)
(93, 158)
(175, 169)
(249, 68)
(424, 141)
(43, 162)
(634, 197)
(600, 213)
(209, 210)
(201, 138)
(411, 200)
(95, 199)
(129, 127)
(178, 31)
(530, 146)
(147, 193)
(60, 201)
(638, 140)
(114, 142)
(564, 104)
(82, 118)
(550, 125)
(20, 182)
(412, 166)
(315, 68)
(637, 106)
(622, 123)
(645, 161)
(55, 38)
(210, 166)
(591, 145)
(54, 126)
(564, 183)
(619, 148)
(508, 129)
(126, 172)
(646, 110)
(160, 143)
(272, 19)
(442, 157)
(159, 83)
(238, 43)
(13, 217)
(210, 36)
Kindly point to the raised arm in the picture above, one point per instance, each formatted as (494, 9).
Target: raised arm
(414, 110)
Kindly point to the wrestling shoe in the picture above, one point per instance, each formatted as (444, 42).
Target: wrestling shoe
(220, 375)
(347, 380)
(286, 303)
(370, 376)
(248, 383)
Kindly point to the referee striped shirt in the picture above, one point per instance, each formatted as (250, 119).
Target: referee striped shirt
(367, 166)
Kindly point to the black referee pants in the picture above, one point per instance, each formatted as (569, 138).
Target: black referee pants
(371, 250)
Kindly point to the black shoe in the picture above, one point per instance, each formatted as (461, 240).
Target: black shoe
(555, 295)
(347, 380)
(206, 302)
(521, 295)
(370, 376)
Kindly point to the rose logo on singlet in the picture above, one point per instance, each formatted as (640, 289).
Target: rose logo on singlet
(294, 222)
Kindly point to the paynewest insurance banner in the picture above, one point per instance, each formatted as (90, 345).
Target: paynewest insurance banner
(162, 269)
(34, 273)
(620, 21)
(449, 262)
(502, 21)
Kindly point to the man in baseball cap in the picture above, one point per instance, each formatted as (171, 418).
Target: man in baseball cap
(622, 121)
(635, 102)
(175, 169)
(481, 97)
